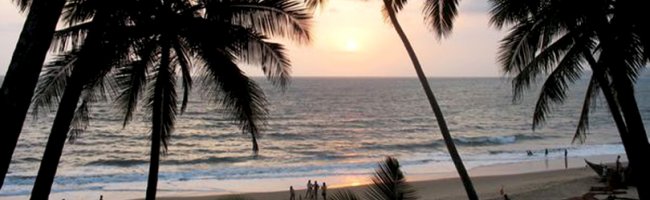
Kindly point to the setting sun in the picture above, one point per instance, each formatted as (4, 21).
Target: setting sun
(351, 45)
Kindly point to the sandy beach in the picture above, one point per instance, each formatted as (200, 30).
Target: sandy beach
(527, 180)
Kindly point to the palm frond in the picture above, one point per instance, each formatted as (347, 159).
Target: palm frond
(312, 5)
(185, 65)
(440, 15)
(583, 124)
(131, 80)
(344, 195)
(79, 11)
(70, 37)
(80, 121)
(236, 92)
(271, 56)
(274, 18)
(508, 12)
(518, 48)
(52, 82)
(23, 4)
(540, 64)
(389, 183)
(554, 89)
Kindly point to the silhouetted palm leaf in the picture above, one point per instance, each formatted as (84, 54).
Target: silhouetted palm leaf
(554, 89)
(272, 18)
(389, 183)
(440, 14)
(52, 82)
(236, 92)
(22, 4)
(344, 195)
(271, 56)
(583, 123)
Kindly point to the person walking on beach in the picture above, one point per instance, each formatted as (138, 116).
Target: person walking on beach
(315, 192)
(545, 152)
(324, 189)
(308, 191)
(566, 161)
(292, 193)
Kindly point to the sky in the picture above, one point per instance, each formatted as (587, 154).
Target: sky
(352, 39)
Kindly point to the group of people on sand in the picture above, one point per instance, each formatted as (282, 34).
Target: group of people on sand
(311, 193)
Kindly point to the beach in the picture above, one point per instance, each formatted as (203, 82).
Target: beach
(545, 179)
(319, 130)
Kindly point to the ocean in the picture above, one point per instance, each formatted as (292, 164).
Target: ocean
(318, 127)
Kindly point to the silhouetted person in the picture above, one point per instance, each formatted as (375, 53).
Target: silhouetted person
(529, 152)
(315, 192)
(545, 152)
(618, 163)
(566, 161)
(101, 197)
(292, 193)
(324, 189)
(308, 192)
(503, 193)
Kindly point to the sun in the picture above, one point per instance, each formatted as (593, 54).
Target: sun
(351, 45)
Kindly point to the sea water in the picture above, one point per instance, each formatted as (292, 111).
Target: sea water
(318, 127)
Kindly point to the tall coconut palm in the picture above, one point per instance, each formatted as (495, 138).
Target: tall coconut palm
(21, 77)
(440, 14)
(167, 35)
(94, 58)
(556, 38)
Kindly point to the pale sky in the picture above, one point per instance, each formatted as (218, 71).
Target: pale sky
(351, 38)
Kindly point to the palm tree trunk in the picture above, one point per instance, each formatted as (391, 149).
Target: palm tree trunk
(455, 157)
(21, 78)
(637, 136)
(58, 136)
(636, 140)
(152, 181)
(633, 137)
(157, 122)
(609, 95)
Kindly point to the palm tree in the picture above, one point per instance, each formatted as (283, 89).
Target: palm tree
(556, 38)
(101, 49)
(389, 183)
(168, 34)
(21, 77)
(439, 13)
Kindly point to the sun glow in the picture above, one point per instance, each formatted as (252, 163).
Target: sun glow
(351, 45)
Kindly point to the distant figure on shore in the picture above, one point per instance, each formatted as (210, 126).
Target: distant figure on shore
(292, 193)
(545, 152)
(504, 194)
(324, 189)
(315, 192)
(101, 197)
(566, 161)
(308, 191)
(529, 152)
(618, 163)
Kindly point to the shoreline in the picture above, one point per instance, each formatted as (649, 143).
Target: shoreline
(430, 179)
(520, 179)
